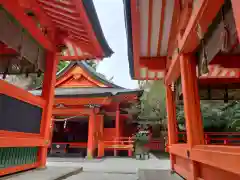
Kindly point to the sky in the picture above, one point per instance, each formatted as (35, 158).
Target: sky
(111, 17)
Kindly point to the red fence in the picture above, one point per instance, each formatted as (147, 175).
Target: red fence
(218, 138)
(119, 143)
(127, 143)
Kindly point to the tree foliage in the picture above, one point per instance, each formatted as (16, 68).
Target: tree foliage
(153, 102)
(215, 117)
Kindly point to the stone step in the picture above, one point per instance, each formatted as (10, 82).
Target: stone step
(157, 175)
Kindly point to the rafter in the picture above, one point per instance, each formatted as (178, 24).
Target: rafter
(13, 8)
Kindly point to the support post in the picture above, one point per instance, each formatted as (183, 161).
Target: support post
(48, 96)
(117, 127)
(172, 123)
(100, 119)
(194, 127)
(91, 131)
(195, 133)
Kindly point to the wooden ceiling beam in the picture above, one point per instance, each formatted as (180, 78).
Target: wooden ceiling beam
(82, 100)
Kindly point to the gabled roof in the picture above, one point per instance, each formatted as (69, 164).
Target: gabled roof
(90, 71)
(109, 89)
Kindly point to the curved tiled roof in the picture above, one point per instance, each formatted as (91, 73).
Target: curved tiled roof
(92, 73)
(90, 92)
(93, 18)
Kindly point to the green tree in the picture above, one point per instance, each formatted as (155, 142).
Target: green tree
(38, 80)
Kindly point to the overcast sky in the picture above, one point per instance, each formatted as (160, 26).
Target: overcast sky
(111, 16)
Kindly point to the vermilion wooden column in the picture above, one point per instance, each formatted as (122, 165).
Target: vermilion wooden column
(48, 95)
(236, 14)
(51, 130)
(192, 111)
(117, 125)
(91, 131)
(195, 132)
(100, 119)
(172, 122)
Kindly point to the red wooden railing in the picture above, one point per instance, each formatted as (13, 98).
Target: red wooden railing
(217, 138)
(127, 143)
(119, 143)
(155, 144)
(72, 144)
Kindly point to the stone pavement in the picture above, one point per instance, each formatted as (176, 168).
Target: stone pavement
(50, 173)
(103, 176)
(117, 168)
(112, 165)
(101, 169)
(157, 175)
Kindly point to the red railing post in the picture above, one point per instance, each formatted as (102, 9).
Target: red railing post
(115, 143)
(130, 147)
(207, 140)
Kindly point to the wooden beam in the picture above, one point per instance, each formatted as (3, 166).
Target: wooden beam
(226, 61)
(202, 17)
(75, 58)
(219, 155)
(73, 111)
(18, 13)
(218, 81)
(173, 31)
(83, 101)
(6, 141)
(20, 94)
(153, 63)
(7, 51)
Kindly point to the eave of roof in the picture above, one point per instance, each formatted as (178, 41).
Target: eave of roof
(128, 25)
(93, 18)
(89, 92)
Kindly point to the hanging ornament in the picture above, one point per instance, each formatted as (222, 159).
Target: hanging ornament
(204, 62)
(65, 124)
(225, 34)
